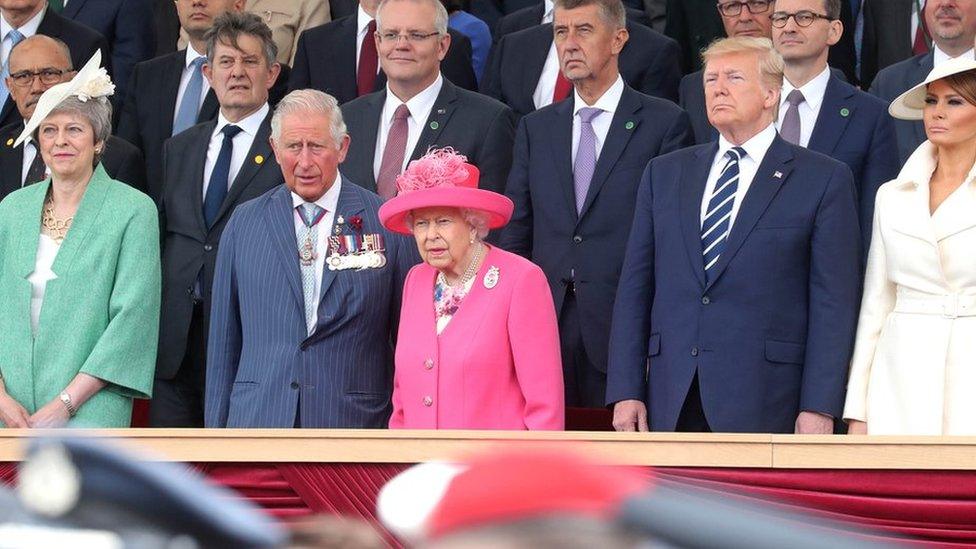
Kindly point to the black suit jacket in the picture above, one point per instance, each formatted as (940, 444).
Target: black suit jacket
(127, 25)
(545, 227)
(887, 36)
(895, 80)
(532, 16)
(325, 59)
(648, 63)
(147, 117)
(166, 26)
(189, 247)
(476, 126)
(121, 160)
(82, 42)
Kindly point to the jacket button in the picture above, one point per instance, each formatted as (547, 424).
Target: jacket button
(577, 239)
(694, 351)
(429, 364)
(207, 248)
(428, 401)
(189, 290)
(294, 385)
(706, 300)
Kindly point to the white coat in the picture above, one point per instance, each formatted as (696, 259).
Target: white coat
(913, 371)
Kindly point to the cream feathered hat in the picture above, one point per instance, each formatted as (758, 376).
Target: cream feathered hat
(92, 81)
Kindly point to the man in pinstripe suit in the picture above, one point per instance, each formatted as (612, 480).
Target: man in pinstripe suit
(307, 289)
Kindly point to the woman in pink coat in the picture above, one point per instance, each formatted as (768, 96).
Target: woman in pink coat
(478, 344)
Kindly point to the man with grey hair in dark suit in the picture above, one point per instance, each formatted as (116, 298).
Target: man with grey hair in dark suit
(419, 108)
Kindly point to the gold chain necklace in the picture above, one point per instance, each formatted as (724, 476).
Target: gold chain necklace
(56, 227)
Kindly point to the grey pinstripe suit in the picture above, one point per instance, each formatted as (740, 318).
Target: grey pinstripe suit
(260, 360)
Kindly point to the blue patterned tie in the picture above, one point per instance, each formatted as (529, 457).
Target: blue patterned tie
(718, 216)
(219, 177)
(186, 115)
(311, 214)
(585, 162)
(15, 38)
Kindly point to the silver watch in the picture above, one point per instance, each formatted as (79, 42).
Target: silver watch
(66, 400)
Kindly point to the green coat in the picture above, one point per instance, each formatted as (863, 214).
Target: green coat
(100, 315)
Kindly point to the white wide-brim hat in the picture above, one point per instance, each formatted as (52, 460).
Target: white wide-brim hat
(91, 81)
(909, 105)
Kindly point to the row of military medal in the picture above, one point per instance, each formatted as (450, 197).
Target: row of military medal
(350, 251)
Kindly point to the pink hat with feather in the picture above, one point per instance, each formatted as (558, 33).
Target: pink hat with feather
(443, 178)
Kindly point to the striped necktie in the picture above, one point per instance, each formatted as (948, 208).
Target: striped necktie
(718, 217)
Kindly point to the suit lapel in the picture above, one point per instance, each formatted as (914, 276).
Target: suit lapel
(622, 128)
(71, 10)
(349, 204)
(345, 57)
(689, 206)
(369, 129)
(171, 88)
(835, 113)
(281, 221)
(440, 114)
(770, 176)
(12, 165)
(196, 159)
(922, 69)
(534, 58)
(260, 147)
(208, 111)
(8, 106)
(561, 116)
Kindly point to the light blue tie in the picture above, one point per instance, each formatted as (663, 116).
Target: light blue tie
(311, 214)
(718, 215)
(15, 38)
(189, 109)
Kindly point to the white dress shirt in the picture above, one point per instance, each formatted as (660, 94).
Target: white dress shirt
(28, 29)
(191, 56)
(30, 151)
(748, 166)
(550, 69)
(328, 202)
(547, 8)
(939, 56)
(419, 106)
(601, 123)
(813, 95)
(242, 144)
(362, 25)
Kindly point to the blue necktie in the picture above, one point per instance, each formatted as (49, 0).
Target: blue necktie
(217, 188)
(15, 38)
(189, 109)
(718, 215)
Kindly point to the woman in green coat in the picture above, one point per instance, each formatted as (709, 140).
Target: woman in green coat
(79, 274)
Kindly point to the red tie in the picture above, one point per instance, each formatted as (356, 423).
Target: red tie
(392, 162)
(563, 85)
(366, 72)
(920, 44)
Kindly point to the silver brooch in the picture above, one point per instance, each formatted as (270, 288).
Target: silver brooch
(491, 277)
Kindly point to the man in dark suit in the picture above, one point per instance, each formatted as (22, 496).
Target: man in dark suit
(25, 18)
(952, 25)
(820, 111)
(887, 36)
(159, 106)
(293, 342)
(420, 108)
(524, 69)
(739, 290)
(35, 65)
(340, 58)
(127, 25)
(574, 179)
(208, 170)
(694, 24)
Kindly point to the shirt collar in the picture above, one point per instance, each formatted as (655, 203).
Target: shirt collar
(250, 124)
(813, 91)
(607, 102)
(755, 147)
(420, 103)
(547, 8)
(28, 29)
(191, 55)
(362, 21)
(328, 201)
(939, 56)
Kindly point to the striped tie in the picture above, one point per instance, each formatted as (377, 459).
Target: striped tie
(718, 216)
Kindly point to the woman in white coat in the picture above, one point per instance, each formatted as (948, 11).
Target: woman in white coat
(913, 371)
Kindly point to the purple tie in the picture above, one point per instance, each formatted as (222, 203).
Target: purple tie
(392, 163)
(585, 155)
(790, 130)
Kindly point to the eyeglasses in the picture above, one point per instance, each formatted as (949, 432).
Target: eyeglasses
(733, 9)
(802, 18)
(411, 37)
(47, 76)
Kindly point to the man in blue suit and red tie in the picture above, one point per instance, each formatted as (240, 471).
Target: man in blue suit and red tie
(739, 289)
(307, 289)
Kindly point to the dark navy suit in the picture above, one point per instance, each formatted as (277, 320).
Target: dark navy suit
(260, 358)
(771, 333)
(895, 80)
(545, 227)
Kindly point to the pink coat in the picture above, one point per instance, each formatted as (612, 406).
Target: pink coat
(495, 366)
